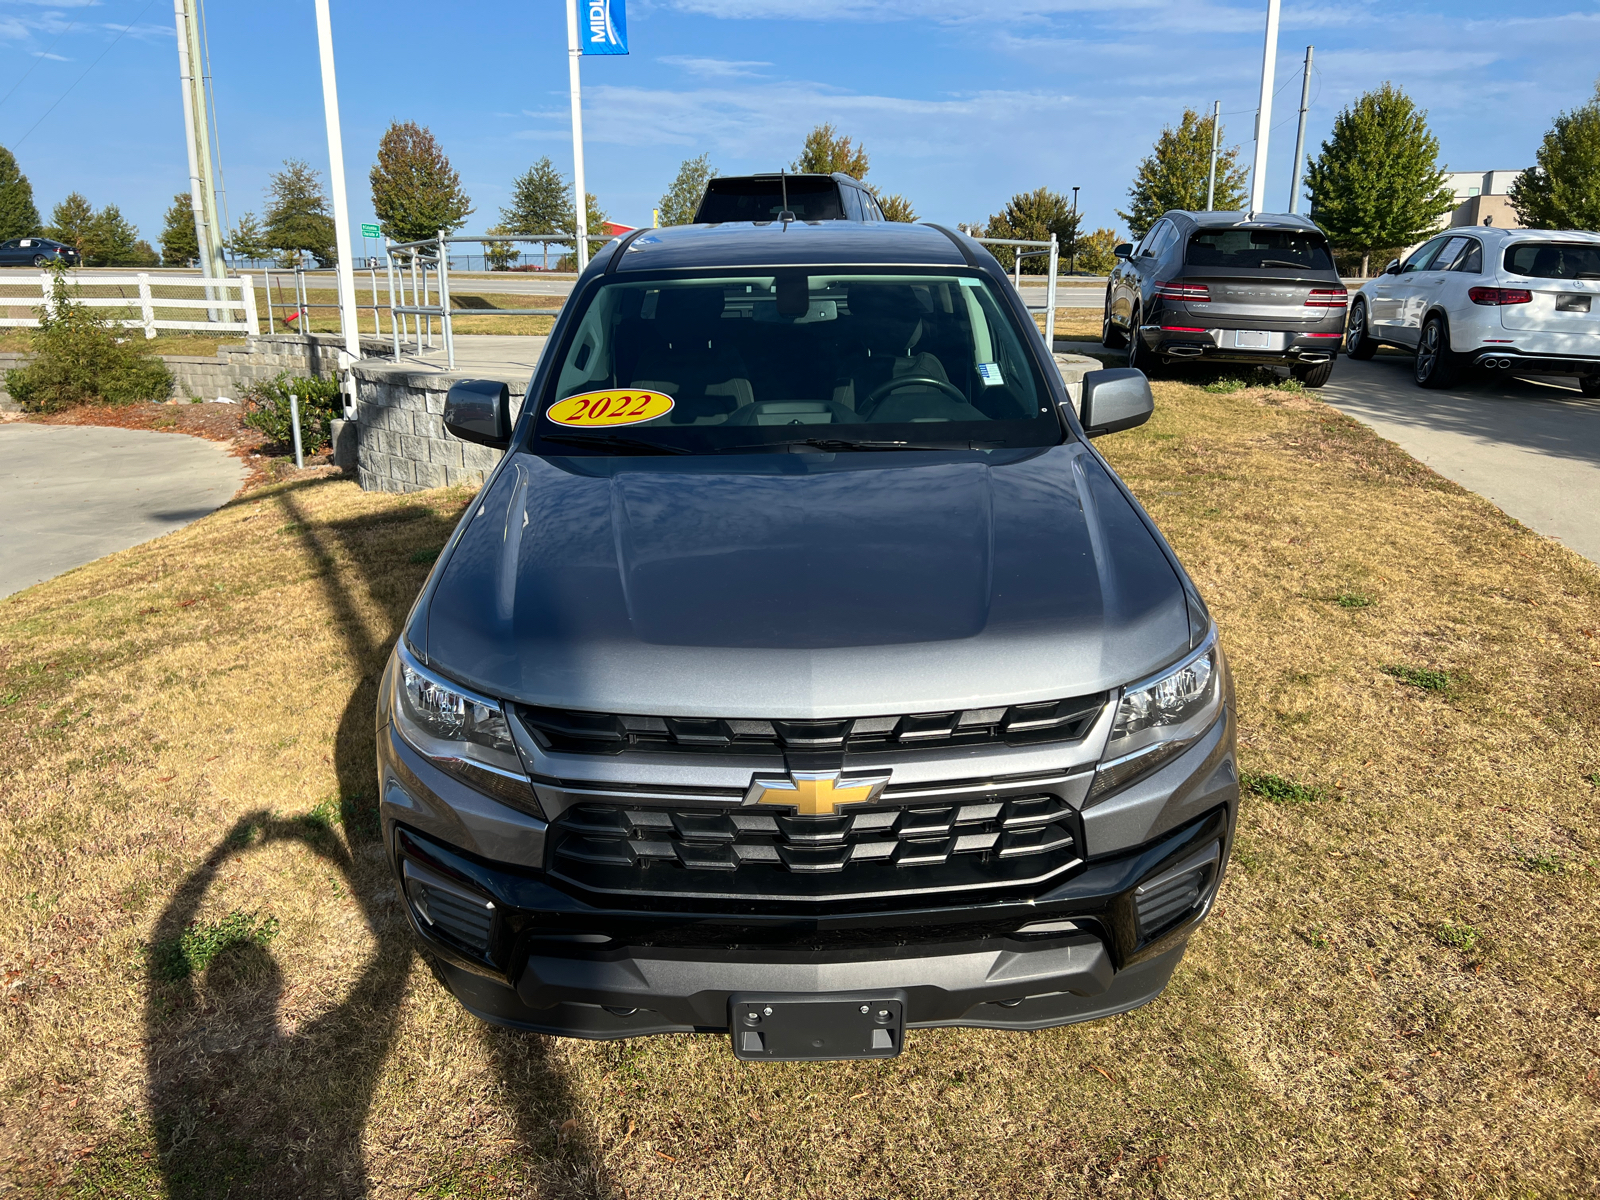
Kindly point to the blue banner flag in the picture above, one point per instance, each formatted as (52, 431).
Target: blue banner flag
(603, 26)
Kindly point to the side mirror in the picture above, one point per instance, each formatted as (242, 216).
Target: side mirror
(1114, 400)
(479, 410)
(1393, 268)
(1125, 250)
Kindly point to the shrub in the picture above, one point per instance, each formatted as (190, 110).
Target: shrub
(267, 409)
(78, 359)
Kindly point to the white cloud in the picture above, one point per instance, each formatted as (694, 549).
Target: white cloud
(715, 68)
(51, 57)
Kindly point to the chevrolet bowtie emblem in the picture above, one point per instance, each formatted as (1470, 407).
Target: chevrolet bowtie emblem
(816, 793)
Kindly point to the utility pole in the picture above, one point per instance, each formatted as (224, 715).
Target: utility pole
(1269, 63)
(344, 269)
(1300, 137)
(580, 197)
(202, 195)
(1077, 233)
(1216, 137)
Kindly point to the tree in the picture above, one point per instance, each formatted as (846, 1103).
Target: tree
(1377, 182)
(415, 191)
(500, 256)
(896, 208)
(1095, 255)
(682, 200)
(247, 239)
(596, 222)
(539, 200)
(1562, 189)
(1033, 216)
(114, 241)
(179, 245)
(1174, 174)
(70, 222)
(826, 150)
(297, 215)
(18, 216)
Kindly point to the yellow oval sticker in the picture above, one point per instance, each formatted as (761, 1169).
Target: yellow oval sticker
(592, 409)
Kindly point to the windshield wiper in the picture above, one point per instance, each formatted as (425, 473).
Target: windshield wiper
(612, 441)
(1278, 262)
(864, 444)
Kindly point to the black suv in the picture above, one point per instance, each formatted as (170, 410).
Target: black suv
(835, 197)
(1228, 287)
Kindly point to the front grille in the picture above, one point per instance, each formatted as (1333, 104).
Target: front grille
(573, 732)
(748, 852)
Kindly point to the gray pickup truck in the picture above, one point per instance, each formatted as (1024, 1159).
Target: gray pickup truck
(802, 673)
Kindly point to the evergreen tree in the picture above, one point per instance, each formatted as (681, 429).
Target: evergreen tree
(1562, 191)
(682, 200)
(247, 239)
(1095, 255)
(596, 222)
(71, 221)
(179, 245)
(826, 150)
(113, 241)
(1175, 172)
(1033, 216)
(500, 256)
(297, 215)
(18, 216)
(415, 191)
(896, 208)
(539, 200)
(1377, 182)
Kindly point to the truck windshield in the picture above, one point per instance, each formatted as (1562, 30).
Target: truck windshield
(843, 360)
(1253, 248)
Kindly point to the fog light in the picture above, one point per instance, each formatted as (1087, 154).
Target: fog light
(1172, 895)
(462, 915)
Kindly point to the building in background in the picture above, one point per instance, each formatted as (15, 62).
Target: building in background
(1481, 199)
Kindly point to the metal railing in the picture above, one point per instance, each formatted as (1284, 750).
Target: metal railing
(418, 259)
(1052, 248)
(298, 310)
(214, 302)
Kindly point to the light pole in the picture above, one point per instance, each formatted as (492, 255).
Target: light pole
(1300, 137)
(1076, 232)
(1269, 62)
(580, 197)
(1216, 135)
(345, 269)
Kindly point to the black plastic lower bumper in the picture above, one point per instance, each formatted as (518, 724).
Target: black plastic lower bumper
(1517, 363)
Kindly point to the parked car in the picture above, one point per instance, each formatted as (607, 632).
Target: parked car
(802, 671)
(1488, 299)
(836, 197)
(37, 252)
(1228, 287)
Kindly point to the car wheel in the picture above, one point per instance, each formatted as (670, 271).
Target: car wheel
(1436, 367)
(1356, 342)
(1314, 377)
(1111, 337)
(1590, 384)
(39, 260)
(1139, 356)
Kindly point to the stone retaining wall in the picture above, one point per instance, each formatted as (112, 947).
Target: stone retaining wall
(401, 445)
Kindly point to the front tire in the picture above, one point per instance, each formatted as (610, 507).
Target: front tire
(1314, 377)
(1356, 342)
(1111, 337)
(1436, 365)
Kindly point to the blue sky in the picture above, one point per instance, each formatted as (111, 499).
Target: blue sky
(959, 104)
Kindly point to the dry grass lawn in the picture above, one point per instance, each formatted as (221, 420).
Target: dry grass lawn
(209, 990)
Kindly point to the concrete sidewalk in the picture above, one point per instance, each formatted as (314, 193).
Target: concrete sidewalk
(72, 493)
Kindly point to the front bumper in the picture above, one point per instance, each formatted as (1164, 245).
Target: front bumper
(1182, 340)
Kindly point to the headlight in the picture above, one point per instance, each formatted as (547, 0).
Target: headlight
(1157, 719)
(461, 733)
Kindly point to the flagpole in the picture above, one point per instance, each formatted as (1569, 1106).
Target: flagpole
(344, 270)
(1269, 63)
(580, 195)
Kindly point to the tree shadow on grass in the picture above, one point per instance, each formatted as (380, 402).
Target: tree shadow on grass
(243, 1107)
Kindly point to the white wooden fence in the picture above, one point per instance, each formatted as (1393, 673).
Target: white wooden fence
(232, 301)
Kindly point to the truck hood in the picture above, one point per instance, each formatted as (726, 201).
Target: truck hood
(795, 586)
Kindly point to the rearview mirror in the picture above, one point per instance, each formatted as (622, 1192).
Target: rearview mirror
(1125, 250)
(1114, 400)
(1393, 268)
(479, 410)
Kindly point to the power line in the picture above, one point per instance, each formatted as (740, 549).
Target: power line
(82, 77)
(38, 60)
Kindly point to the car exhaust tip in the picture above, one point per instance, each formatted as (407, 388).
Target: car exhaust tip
(1184, 351)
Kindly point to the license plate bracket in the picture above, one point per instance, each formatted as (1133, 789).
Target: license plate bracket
(1572, 302)
(808, 1028)
(1251, 339)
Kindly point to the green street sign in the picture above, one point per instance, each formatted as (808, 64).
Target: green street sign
(371, 231)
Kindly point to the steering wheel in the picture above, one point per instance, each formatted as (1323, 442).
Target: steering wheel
(876, 396)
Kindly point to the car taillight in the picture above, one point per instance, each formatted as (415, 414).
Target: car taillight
(1328, 298)
(1493, 296)
(1197, 292)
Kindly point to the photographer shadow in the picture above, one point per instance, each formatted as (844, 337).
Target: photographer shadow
(244, 1106)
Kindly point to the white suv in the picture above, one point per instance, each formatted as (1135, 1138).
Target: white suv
(1494, 299)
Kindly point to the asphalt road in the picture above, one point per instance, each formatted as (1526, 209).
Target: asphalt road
(72, 493)
(1530, 444)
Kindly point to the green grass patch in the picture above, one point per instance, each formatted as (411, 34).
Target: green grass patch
(1425, 678)
(1458, 937)
(1277, 790)
(427, 556)
(1353, 600)
(198, 946)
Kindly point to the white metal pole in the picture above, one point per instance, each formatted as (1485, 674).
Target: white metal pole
(1300, 137)
(294, 423)
(1050, 294)
(1216, 135)
(580, 196)
(345, 269)
(1269, 62)
(186, 78)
